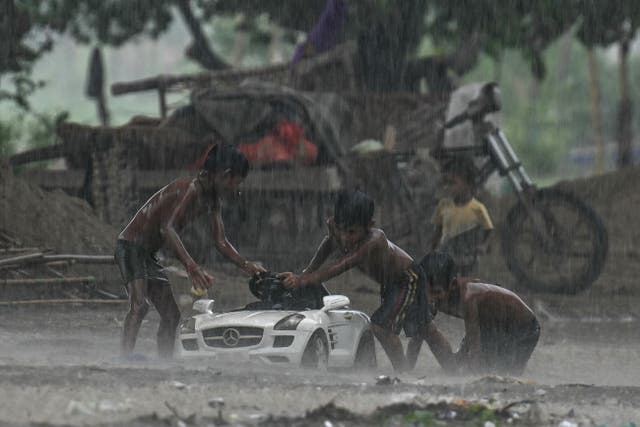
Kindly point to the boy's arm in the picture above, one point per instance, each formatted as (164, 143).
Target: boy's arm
(482, 215)
(469, 353)
(226, 248)
(324, 250)
(343, 264)
(321, 255)
(200, 278)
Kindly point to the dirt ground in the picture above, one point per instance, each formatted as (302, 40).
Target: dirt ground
(59, 365)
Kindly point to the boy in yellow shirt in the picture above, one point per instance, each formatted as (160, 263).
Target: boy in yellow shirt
(462, 223)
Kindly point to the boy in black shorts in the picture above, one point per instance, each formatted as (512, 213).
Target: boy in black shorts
(157, 223)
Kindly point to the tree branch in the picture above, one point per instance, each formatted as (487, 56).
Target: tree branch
(199, 50)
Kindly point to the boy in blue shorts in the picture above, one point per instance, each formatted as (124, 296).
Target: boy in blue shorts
(358, 244)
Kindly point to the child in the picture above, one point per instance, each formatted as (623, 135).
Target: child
(157, 223)
(358, 244)
(462, 222)
(501, 332)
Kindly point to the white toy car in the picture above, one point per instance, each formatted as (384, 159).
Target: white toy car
(306, 327)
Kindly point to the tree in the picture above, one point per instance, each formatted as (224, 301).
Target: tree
(17, 56)
(619, 27)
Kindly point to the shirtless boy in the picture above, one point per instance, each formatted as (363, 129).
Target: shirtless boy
(501, 332)
(157, 223)
(356, 243)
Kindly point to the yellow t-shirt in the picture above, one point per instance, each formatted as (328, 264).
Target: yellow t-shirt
(457, 219)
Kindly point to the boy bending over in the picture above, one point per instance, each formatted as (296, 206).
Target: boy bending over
(501, 332)
(402, 290)
(157, 223)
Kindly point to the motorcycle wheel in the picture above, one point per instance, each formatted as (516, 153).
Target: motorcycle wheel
(559, 245)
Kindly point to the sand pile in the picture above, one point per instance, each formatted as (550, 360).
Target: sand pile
(31, 217)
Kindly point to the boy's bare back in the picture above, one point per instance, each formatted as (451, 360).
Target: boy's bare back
(496, 304)
(147, 225)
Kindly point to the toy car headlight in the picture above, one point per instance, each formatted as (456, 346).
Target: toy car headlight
(188, 327)
(289, 323)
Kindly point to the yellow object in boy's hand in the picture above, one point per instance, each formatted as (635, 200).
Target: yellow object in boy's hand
(198, 292)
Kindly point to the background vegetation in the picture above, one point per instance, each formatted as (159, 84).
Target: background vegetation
(567, 74)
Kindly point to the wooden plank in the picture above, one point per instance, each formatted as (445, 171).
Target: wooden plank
(64, 301)
(340, 53)
(21, 258)
(80, 259)
(49, 281)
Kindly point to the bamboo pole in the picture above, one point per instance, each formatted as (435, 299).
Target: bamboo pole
(39, 258)
(80, 259)
(49, 281)
(18, 250)
(21, 259)
(63, 301)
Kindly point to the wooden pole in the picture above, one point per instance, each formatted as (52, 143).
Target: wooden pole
(80, 259)
(21, 259)
(162, 98)
(64, 301)
(49, 281)
(18, 250)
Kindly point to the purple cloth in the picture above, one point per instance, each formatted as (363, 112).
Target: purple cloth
(324, 34)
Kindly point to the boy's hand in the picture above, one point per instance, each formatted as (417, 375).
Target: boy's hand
(200, 278)
(291, 280)
(253, 268)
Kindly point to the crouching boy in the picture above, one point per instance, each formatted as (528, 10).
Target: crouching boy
(157, 223)
(358, 244)
(501, 332)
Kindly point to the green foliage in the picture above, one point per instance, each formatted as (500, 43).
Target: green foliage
(105, 22)
(484, 414)
(546, 119)
(8, 136)
(420, 418)
(27, 131)
(18, 53)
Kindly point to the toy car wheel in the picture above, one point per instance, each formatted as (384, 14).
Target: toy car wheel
(366, 354)
(316, 354)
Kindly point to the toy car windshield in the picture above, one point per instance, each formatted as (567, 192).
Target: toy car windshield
(272, 295)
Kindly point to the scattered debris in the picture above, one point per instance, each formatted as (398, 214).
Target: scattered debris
(75, 407)
(387, 380)
(32, 270)
(178, 385)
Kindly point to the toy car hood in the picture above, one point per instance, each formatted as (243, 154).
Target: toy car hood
(260, 318)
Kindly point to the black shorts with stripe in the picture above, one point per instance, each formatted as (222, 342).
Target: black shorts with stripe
(404, 304)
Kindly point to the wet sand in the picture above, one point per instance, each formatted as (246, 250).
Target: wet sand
(60, 366)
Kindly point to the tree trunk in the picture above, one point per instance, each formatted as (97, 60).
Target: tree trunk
(386, 39)
(200, 50)
(625, 134)
(596, 111)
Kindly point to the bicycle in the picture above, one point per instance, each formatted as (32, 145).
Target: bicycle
(551, 240)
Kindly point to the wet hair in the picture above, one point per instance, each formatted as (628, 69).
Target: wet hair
(439, 269)
(463, 167)
(225, 156)
(353, 208)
